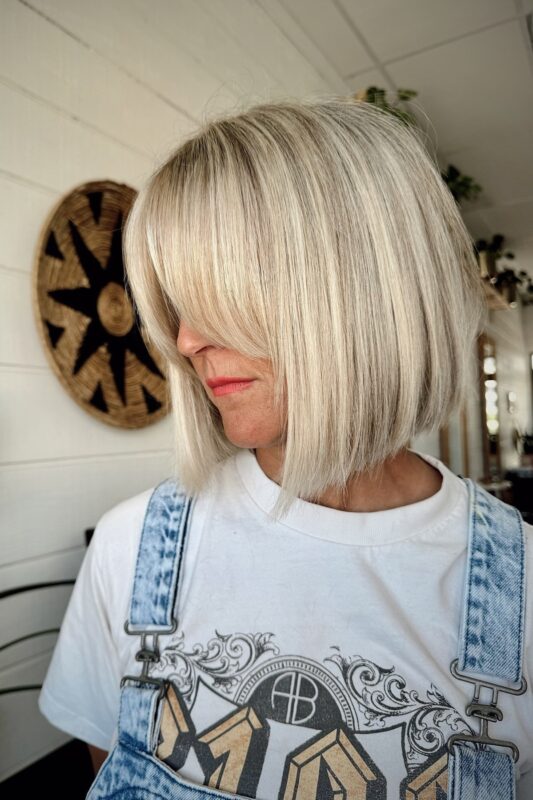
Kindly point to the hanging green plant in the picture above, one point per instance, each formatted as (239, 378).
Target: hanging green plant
(462, 187)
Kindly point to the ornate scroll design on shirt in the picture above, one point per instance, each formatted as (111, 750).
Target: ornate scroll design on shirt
(429, 729)
(381, 694)
(224, 659)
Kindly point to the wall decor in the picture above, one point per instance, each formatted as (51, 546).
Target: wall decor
(89, 326)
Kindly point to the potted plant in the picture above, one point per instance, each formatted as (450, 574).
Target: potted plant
(463, 187)
(506, 282)
(488, 253)
(378, 97)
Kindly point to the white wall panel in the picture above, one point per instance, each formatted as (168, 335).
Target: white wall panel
(23, 208)
(61, 565)
(14, 348)
(125, 36)
(46, 147)
(35, 402)
(47, 506)
(90, 88)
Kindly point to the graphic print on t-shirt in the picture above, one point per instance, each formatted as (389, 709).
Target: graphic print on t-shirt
(239, 716)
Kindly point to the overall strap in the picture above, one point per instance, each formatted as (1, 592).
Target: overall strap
(153, 606)
(491, 645)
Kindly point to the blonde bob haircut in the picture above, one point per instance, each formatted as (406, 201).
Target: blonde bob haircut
(318, 234)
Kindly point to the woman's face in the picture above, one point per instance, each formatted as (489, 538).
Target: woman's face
(247, 410)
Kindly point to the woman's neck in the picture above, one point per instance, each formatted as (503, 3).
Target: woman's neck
(403, 479)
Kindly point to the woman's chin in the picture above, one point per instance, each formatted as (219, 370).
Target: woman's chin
(249, 439)
(240, 440)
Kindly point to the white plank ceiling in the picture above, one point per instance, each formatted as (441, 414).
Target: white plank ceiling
(471, 62)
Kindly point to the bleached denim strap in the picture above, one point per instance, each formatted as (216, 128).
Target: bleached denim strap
(480, 775)
(159, 558)
(491, 645)
(152, 606)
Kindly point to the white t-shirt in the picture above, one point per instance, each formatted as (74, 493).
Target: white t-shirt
(336, 628)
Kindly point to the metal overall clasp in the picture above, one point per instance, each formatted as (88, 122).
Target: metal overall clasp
(486, 712)
(148, 655)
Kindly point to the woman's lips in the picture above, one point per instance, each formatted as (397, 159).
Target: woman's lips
(226, 385)
(227, 388)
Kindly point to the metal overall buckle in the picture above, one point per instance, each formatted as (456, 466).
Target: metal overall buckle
(148, 655)
(486, 712)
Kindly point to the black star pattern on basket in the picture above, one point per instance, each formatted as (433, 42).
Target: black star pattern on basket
(114, 320)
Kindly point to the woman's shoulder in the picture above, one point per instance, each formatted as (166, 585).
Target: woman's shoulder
(119, 527)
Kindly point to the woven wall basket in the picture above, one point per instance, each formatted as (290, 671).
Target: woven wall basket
(89, 326)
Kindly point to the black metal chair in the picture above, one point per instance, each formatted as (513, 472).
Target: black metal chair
(72, 760)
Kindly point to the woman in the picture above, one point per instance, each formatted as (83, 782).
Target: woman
(307, 275)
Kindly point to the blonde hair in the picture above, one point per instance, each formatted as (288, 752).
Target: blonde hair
(318, 234)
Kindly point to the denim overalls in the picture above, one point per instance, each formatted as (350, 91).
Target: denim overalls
(490, 651)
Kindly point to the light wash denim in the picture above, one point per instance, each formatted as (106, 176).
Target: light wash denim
(490, 643)
(491, 638)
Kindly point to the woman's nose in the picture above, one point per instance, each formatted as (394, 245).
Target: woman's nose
(190, 341)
